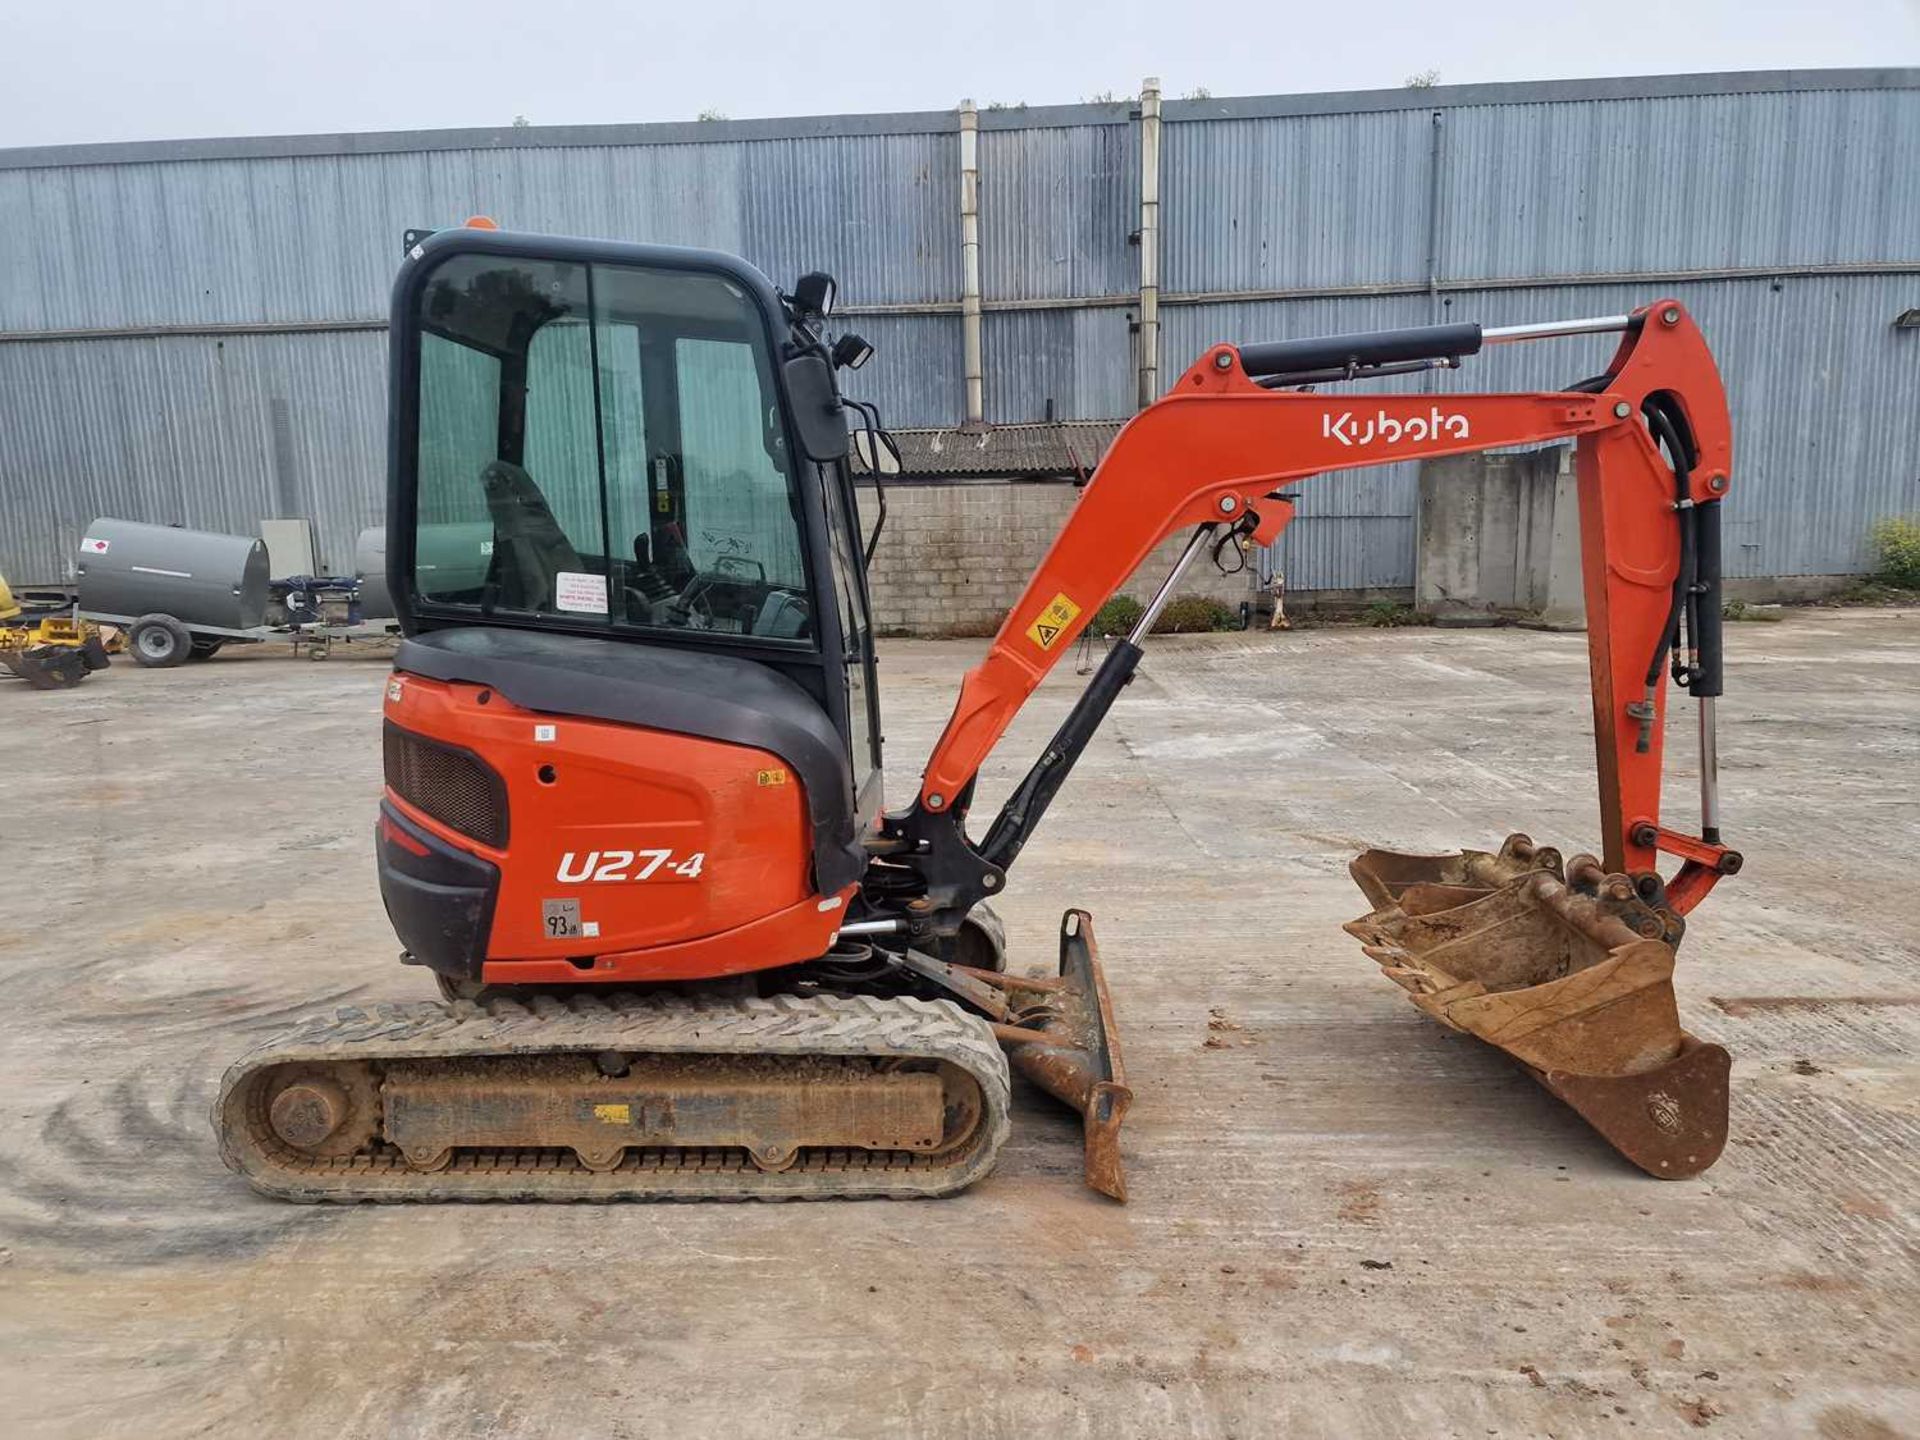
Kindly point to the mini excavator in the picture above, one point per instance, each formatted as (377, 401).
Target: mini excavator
(633, 822)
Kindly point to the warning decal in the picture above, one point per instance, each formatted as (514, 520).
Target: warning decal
(581, 591)
(1052, 621)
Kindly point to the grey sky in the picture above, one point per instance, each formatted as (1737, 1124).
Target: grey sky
(158, 69)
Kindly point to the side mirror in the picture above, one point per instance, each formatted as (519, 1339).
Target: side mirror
(817, 413)
(878, 453)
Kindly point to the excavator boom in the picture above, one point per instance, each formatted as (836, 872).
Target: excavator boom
(1654, 453)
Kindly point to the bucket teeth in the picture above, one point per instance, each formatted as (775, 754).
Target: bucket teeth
(1575, 981)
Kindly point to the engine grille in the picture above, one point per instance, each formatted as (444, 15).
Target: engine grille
(454, 786)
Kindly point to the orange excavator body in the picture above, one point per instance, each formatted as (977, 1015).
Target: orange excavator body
(633, 817)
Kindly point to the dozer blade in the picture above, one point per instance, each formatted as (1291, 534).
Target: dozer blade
(1571, 977)
(1059, 1033)
(1079, 1060)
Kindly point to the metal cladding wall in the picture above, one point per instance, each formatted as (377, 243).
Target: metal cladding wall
(1787, 220)
(193, 332)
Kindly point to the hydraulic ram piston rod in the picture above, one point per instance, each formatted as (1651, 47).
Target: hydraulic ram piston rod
(1548, 329)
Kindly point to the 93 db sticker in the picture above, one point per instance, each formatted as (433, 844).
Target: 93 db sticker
(560, 919)
(1053, 621)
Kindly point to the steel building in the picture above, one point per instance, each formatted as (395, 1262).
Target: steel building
(192, 331)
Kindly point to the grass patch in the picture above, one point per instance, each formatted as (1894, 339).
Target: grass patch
(1195, 615)
(1896, 549)
(1385, 615)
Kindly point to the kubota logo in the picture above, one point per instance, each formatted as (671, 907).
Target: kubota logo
(1389, 429)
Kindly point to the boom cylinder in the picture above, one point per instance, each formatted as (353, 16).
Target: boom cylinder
(1035, 793)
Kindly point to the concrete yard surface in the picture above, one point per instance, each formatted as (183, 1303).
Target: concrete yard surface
(1345, 1221)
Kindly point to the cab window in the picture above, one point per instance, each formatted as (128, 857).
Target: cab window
(602, 446)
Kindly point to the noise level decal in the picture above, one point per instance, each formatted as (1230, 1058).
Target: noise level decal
(1053, 621)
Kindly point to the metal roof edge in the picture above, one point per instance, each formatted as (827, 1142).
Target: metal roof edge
(1540, 92)
(511, 137)
(937, 122)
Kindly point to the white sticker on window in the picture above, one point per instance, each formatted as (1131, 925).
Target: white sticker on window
(578, 591)
(96, 547)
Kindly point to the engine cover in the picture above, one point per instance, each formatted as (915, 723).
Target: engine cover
(610, 842)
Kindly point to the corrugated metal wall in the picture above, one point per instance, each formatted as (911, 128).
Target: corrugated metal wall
(1825, 392)
(1784, 209)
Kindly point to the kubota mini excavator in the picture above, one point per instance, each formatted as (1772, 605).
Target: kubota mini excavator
(633, 820)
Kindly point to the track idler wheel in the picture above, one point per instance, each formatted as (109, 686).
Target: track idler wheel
(325, 1111)
(1566, 968)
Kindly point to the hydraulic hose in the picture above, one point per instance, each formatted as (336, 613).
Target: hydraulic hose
(1685, 607)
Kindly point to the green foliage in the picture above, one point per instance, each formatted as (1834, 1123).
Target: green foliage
(1384, 615)
(710, 115)
(1741, 610)
(1425, 80)
(1896, 548)
(1195, 614)
(1117, 616)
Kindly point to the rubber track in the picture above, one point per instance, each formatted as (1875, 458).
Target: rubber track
(779, 1025)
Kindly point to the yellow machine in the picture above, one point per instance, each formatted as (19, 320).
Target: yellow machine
(51, 649)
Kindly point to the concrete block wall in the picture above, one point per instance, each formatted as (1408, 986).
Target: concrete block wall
(955, 556)
(1498, 536)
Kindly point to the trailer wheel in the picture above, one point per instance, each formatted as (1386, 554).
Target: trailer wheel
(160, 642)
(206, 649)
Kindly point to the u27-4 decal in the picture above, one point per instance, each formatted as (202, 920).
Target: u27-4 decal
(612, 865)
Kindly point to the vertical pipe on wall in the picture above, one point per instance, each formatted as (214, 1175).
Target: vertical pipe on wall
(1149, 241)
(1433, 227)
(970, 259)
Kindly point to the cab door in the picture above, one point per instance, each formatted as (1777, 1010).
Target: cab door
(856, 630)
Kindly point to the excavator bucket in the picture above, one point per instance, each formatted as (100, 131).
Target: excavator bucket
(47, 667)
(1567, 969)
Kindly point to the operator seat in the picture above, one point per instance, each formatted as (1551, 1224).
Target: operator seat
(529, 547)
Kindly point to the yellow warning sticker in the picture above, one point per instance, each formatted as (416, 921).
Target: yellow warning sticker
(614, 1114)
(772, 777)
(1053, 621)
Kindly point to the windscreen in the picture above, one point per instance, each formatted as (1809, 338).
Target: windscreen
(602, 445)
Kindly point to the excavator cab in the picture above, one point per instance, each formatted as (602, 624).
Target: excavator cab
(621, 496)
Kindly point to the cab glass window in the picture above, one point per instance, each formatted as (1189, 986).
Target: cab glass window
(602, 446)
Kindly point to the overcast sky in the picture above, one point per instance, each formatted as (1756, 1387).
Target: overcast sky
(85, 70)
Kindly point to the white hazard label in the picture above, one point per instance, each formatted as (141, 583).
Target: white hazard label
(95, 547)
(580, 591)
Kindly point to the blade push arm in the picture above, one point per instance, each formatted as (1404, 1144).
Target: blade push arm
(1219, 444)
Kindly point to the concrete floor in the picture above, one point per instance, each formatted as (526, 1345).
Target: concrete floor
(1345, 1221)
